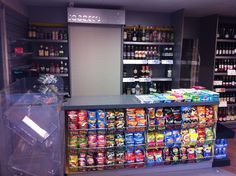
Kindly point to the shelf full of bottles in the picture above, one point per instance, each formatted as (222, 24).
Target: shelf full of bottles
(147, 59)
(225, 72)
(50, 52)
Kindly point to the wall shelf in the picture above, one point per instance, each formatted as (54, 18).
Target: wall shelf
(57, 74)
(146, 79)
(149, 43)
(49, 58)
(226, 40)
(40, 40)
(225, 57)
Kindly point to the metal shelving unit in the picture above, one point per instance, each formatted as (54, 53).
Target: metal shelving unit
(150, 62)
(225, 57)
(226, 40)
(40, 40)
(148, 43)
(58, 74)
(146, 79)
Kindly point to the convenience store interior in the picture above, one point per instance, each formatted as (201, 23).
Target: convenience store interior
(110, 55)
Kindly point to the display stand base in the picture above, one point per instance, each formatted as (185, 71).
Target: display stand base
(148, 170)
(221, 162)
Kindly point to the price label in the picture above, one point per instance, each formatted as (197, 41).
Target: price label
(231, 72)
(154, 62)
(128, 80)
(223, 104)
(220, 90)
(217, 83)
(166, 61)
(144, 79)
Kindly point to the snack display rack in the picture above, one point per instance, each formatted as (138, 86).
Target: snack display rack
(121, 134)
(31, 129)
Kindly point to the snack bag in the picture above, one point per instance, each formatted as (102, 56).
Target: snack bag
(120, 157)
(210, 116)
(158, 156)
(167, 156)
(73, 142)
(101, 140)
(110, 117)
(139, 138)
(168, 116)
(177, 116)
(90, 161)
(120, 119)
(130, 157)
(131, 119)
(151, 119)
(129, 139)
(82, 141)
(193, 117)
(175, 155)
(139, 155)
(73, 162)
(160, 139)
(191, 154)
(110, 157)
(110, 140)
(186, 117)
(193, 135)
(201, 136)
(92, 119)
(160, 119)
(100, 160)
(209, 136)
(72, 120)
(207, 152)
(199, 153)
(82, 161)
(169, 138)
(151, 139)
(140, 119)
(82, 119)
(92, 141)
(201, 116)
(120, 140)
(150, 160)
(177, 138)
(101, 119)
(183, 154)
(185, 137)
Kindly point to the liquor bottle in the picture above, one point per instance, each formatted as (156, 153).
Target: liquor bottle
(135, 72)
(47, 69)
(163, 36)
(125, 52)
(147, 71)
(141, 90)
(143, 35)
(216, 66)
(30, 32)
(52, 68)
(151, 53)
(137, 89)
(129, 34)
(57, 69)
(169, 72)
(226, 33)
(62, 67)
(34, 32)
(128, 52)
(65, 35)
(133, 90)
(151, 34)
(128, 91)
(125, 36)
(147, 53)
(41, 51)
(60, 35)
(46, 52)
(155, 53)
(136, 52)
(56, 51)
(220, 115)
(134, 38)
(139, 34)
(155, 33)
(42, 69)
(65, 67)
(51, 52)
(147, 34)
(61, 51)
(143, 71)
(132, 52)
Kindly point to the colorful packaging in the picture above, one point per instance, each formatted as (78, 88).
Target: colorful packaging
(129, 157)
(168, 116)
(177, 138)
(110, 117)
(175, 155)
(110, 140)
(90, 161)
(92, 119)
(150, 160)
(186, 117)
(73, 161)
(193, 135)
(151, 139)
(73, 142)
(72, 120)
(101, 119)
(151, 119)
(139, 138)
(160, 139)
(169, 139)
(158, 156)
(201, 136)
(82, 161)
(167, 156)
(83, 142)
(101, 140)
(160, 119)
(129, 139)
(92, 141)
(139, 155)
(177, 116)
(100, 160)
(120, 119)
(110, 157)
(185, 137)
(119, 140)
(120, 157)
(191, 153)
(183, 154)
(82, 119)
(210, 116)
(140, 117)
(207, 152)
(199, 153)
(201, 116)
(209, 136)
(193, 117)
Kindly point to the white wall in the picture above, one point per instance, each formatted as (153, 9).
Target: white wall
(95, 60)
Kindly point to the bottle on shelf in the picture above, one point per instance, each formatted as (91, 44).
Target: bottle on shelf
(135, 72)
(41, 51)
(128, 52)
(65, 67)
(57, 69)
(46, 51)
(147, 34)
(134, 38)
(169, 72)
(30, 32)
(61, 51)
(61, 67)
(137, 89)
(125, 52)
(133, 90)
(47, 69)
(52, 68)
(51, 52)
(143, 35)
(125, 36)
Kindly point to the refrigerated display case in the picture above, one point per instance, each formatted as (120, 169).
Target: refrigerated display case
(31, 127)
(148, 133)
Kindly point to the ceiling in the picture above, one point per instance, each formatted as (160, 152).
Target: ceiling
(194, 8)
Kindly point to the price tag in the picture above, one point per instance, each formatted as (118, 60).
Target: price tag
(166, 61)
(144, 79)
(220, 90)
(223, 104)
(231, 72)
(128, 80)
(154, 62)
(217, 83)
